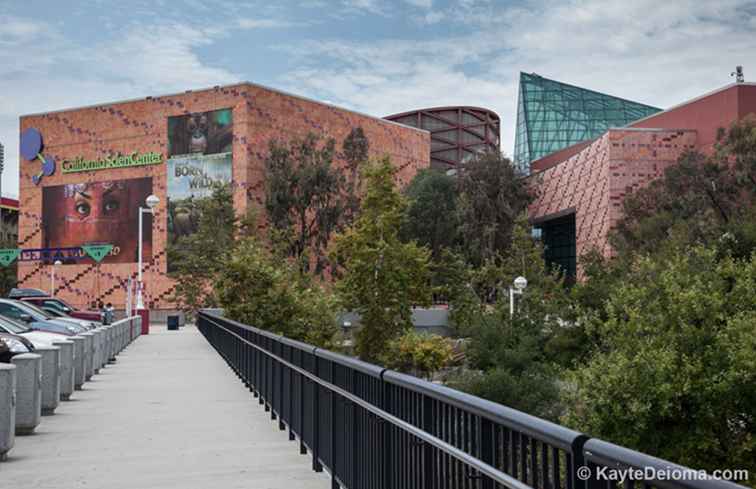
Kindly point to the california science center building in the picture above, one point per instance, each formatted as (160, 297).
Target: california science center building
(85, 172)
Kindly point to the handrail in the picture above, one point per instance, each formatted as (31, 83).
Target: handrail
(440, 444)
(374, 428)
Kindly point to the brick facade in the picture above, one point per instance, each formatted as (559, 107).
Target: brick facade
(259, 115)
(594, 182)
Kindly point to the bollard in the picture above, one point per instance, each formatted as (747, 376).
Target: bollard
(110, 334)
(88, 350)
(7, 409)
(79, 363)
(28, 392)
(66, 368)
(50, 377)
(96, 339)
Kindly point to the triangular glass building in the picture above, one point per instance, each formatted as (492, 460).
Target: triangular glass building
(552, 115)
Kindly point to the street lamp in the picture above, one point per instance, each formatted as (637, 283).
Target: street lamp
(519, 286)
(152, 201)
(52, 277)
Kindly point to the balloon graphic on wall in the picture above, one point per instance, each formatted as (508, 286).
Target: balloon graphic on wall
(31, 149)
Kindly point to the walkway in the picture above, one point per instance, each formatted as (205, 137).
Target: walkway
(169, 414)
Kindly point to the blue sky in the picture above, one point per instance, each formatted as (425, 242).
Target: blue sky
(378, 57)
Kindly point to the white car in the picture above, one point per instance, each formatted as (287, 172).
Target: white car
(38, 338)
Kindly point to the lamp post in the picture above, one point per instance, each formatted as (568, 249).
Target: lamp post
(151, 202)
(52, 277)
(519, 286)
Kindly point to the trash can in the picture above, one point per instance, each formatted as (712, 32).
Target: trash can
(173, 323)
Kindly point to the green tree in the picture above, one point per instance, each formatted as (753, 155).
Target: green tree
(491, 197)
(303, 197)
(431, 215)
(354, 152)
(267, 291)
(674, 374)
(508, 355)
(382, 277)
(198, 257)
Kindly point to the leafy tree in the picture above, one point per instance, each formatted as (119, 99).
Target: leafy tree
(198, 257)
(418, 353)
(674, 374)
(508, 354)
(491, 197)
(354, 152)
(267, 291)
(430, 218)
(697, 201)
(383, 277)
(303, 197)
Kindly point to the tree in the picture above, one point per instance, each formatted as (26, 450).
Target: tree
(430, 218)
(674, 374)
(491, 197)
(508, 354)
(354, 152)
(697, 201)
(259, 288)
(303, 197)
(198, 257)
(382, 277)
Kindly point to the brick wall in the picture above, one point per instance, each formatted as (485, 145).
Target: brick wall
(259, 114)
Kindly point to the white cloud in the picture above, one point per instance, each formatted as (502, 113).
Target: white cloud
(684, 49)
(420, 3)
(249, 23)
(46, 71)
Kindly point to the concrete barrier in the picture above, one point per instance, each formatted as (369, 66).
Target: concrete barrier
(80, 344)
(110, 334)
(7, 409)
(66, 368)
(88, 351)
(50, 378)
(28, 392)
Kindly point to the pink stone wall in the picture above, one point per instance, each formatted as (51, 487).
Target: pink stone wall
(593, 183)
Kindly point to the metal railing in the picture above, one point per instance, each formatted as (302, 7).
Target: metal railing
(373, 428)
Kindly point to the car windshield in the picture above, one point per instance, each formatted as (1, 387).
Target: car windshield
(12, 326)
(35, 312)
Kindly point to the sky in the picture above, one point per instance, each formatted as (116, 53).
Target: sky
(373, 56)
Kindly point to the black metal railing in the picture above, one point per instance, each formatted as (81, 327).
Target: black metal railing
(373, 428)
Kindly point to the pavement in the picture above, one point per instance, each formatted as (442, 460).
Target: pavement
(168, 414)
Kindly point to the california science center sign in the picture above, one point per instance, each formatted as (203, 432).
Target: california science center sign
(112, 162)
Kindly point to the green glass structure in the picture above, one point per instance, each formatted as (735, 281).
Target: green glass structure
(552, 115)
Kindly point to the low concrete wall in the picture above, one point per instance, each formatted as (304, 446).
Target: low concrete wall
(7, 409)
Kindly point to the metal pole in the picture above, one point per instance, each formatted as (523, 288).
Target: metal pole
(511, 302)
(139, 303)
(52, 282)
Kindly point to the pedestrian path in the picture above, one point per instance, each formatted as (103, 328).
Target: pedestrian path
(168, 414)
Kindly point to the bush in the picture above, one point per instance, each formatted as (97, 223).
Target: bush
(257, 288)
(420, 354)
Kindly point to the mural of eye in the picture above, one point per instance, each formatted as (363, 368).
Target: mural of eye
(83, 209)
(111, 206)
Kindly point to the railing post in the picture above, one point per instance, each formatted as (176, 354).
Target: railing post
(487, 450)
(316, 466)
(430, 461)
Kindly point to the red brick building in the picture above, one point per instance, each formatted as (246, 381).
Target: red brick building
(108, 158)
(581, 188)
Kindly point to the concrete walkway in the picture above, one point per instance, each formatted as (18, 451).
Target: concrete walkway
(169, 414)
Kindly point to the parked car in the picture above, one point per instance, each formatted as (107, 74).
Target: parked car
(14, 345)
(37, 338)
(39, 319)
(42, 299)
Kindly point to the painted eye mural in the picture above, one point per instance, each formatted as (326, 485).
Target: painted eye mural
(31, 147)
(81, 214)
